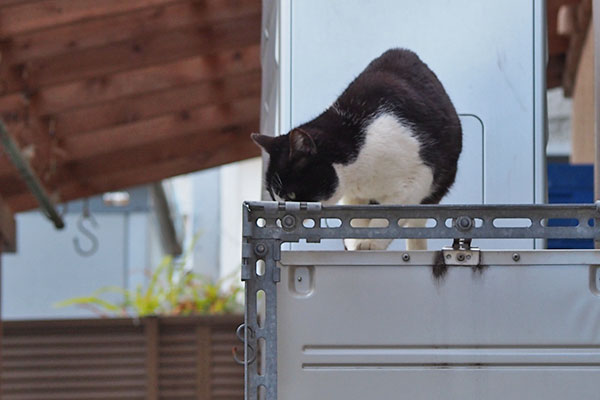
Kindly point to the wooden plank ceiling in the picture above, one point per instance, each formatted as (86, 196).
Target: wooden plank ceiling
(102, 95)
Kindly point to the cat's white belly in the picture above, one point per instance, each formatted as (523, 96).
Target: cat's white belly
(388, 168)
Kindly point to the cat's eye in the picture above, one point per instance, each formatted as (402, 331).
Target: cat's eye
(291, 195)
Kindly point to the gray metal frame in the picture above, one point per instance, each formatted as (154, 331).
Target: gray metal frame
(266, 225)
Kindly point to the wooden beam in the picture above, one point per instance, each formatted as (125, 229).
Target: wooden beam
(554, 71)
(129, 110)
(30, 16)
(136, 108)
(135, 53)
(1, 327)
(146, 164)
(8, 230)
(29, 176)
(11, 185)
(129, 136)
(566, 19)
(144, 142)
(6, 3)
(234, 150)
(582, 121)
(56, 99)
(582, 18)
(198, 144)
(148, 155)
(100, 32)
(557, 44)
(30, 132)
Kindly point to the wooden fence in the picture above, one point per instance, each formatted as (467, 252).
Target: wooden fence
(170, 358)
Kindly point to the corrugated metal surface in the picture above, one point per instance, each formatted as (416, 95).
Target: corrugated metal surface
(167, 358)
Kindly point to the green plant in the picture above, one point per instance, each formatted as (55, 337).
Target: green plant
(171, 290)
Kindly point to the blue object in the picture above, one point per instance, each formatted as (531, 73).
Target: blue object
(570, 184)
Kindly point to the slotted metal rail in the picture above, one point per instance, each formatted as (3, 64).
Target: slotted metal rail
(266, 225)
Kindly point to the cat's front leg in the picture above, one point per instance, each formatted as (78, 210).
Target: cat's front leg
(373, 244)
(368, 244)
(416, 244)
(356, 244)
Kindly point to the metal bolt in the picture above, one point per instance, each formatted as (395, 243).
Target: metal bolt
(464, 223)
(260, 249)
(405, 257)
(299, 279)
(468, 256)
(288, 222)
(516, 257)
(460, 257)
(448, 256)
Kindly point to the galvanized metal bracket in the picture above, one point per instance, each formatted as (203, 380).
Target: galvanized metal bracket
(461, 254)
(267, 225)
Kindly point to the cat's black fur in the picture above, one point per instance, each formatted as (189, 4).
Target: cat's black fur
(397, 82)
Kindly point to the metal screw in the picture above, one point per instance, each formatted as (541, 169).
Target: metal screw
(464, 223)
(299, 279)
(260, 249)
(468, 256)
(405, 257)
(288, 222)
(448, 256)
(460, 257)
(516, 257)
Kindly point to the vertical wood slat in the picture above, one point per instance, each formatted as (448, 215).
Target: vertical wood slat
(203, 335)
(1, 330)
(8, 229)
(151, 335)
(165, 358)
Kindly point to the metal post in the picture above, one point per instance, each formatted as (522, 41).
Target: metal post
(596, 39)
(30, 178)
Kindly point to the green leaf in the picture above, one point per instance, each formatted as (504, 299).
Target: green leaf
(171, 289)
(89, 300)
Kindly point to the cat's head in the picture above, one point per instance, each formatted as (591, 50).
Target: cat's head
(298, 170)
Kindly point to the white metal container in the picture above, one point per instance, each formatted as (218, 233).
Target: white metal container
(500, 324)
(369, 326)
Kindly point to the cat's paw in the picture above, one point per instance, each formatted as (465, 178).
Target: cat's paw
(416, 244)
(366, 244)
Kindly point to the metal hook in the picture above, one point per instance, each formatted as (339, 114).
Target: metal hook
(237, 359)
(234, 351)
(85, 215)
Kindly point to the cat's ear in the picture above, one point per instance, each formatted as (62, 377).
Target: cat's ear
(301, 143)
(264, 141)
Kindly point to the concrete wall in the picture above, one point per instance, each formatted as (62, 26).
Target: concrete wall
(47, 268)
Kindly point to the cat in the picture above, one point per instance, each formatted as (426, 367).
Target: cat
(392, 137)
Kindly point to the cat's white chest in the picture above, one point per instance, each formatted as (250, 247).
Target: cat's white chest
(388, 168)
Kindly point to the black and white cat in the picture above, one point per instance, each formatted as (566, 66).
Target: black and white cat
(392, 137)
